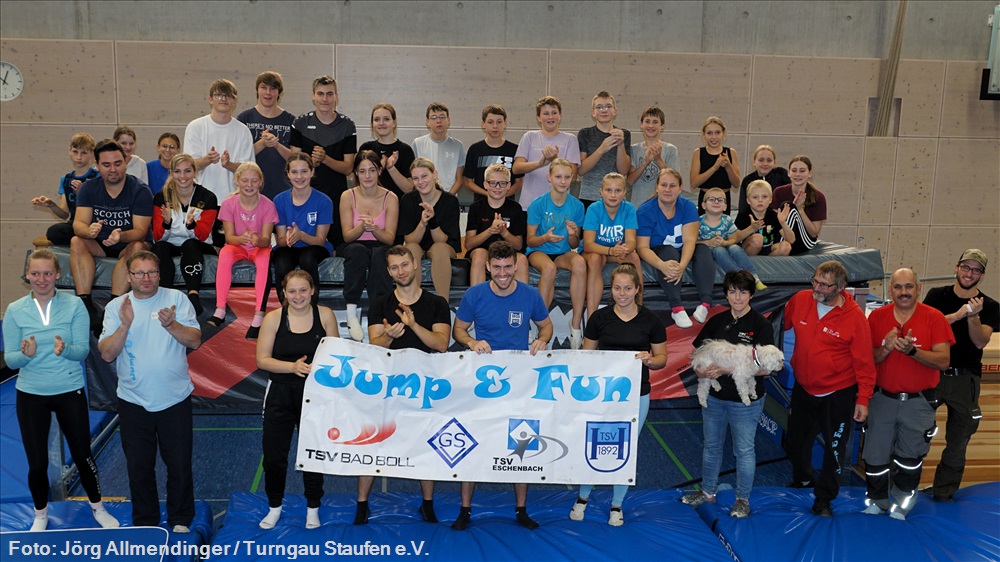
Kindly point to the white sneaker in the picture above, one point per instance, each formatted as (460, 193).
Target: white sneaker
(354, 328)
(873, 509)
(181, 529)
(700, 314)
(576, 514)
(617, 519)
(681, 319)
(105, 519)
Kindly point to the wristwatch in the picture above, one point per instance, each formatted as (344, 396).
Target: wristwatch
(912, 351)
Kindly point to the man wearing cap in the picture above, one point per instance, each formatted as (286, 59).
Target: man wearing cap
(973, 317)
(911, 342)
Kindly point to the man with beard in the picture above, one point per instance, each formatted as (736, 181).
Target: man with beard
(834, 378)
(147, 333)
(911, 342)
(407, 318)
(500, 309)
(973, 317)
(113, 214)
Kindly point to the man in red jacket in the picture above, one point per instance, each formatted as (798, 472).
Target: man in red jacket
(911, 342)
(834, 378)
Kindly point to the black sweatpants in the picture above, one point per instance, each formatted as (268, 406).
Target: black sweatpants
(282, 410)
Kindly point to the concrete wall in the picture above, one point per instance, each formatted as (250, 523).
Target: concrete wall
(953, 30)
(920, 197)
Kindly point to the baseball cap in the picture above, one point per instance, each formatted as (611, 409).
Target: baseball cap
(975, 255)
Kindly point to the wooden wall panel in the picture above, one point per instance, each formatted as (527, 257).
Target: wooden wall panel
(907, 248)
(846, 235)
(877, 180)
(64, 81)
(964, 114)
(17, 237)
(688, 87)
(967, 183)
(34, 168)
(179, 93)
(874, 237)
(913, 189)
(920, 85)
(812, 95)
(947, 244)
(463, 78)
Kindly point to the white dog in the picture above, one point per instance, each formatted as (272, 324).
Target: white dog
(743, 361)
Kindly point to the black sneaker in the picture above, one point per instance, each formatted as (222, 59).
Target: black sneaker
(822, 508)
(464, 518)
(797, 484)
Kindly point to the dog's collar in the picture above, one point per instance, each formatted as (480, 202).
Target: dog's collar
(753, 354)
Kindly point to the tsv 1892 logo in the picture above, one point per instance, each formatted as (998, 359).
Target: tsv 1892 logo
(608, 445)
(515, 318)
(452, 442)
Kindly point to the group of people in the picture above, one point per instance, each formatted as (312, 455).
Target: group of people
(272, 189)
(292, 208)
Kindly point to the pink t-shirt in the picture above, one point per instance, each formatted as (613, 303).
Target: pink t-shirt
(244, 220)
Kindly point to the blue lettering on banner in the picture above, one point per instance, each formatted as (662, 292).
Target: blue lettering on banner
(584, 389)
(452, 442)
(403, 385)
(608, 445)
(491, 386)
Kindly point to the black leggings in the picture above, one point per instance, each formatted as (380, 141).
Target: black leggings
(34, 414)
(192, 253)
(282, 412)
(284, 259)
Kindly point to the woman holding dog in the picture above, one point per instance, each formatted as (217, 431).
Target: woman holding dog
(625, 326)
(739, 325)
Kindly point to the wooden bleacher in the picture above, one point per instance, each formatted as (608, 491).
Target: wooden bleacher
(983, 456)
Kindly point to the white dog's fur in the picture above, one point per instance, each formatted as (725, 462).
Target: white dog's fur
(738, 360)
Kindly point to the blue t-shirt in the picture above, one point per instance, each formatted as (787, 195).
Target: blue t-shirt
(65, 188)
(135, 199)
(723, 229)
(607, 231)
(153, 367)
(317, 210)
(503, 322)
(545, 214)
(661, 230)
(157, 175)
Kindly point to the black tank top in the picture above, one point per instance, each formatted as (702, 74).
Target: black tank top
(719, 179)
(290, 346)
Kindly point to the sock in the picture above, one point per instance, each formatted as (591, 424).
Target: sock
(464, 518)
(574, 332)
(361, 513)
(582, 500)
(427, 511)
(521, 514)
(352, 311)
(41, 519)
(677, 309)
(616, 508)
(102, 516)
(706, 305)
(196, 303)
(256, 322)
(312, 517)
(87, 302)
(271, 519)
(220, 313)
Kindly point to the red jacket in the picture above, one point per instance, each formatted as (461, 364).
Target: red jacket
(834, 352)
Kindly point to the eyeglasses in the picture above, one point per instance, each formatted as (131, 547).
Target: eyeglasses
(822, 285)
(715, 199)
(438, 117)
(497, 183)
(223, 97)
(966, 269)
(152, 274)
(605, 107)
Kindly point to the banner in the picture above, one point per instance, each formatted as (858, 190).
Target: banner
(559, 417)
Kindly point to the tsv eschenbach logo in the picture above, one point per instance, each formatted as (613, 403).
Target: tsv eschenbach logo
(452, 442)
(608, 445)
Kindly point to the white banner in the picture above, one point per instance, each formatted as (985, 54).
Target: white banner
(559, 417)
